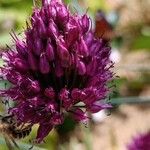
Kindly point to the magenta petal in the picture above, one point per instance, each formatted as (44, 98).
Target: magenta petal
(79, 115)
(43, 131)
(94, 108)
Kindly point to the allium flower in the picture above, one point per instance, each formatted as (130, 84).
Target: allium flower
(58, 68)
(141, 142)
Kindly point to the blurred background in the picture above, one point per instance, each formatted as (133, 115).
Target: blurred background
(126, 24)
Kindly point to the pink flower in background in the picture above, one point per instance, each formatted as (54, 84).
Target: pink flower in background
(58, 68)
(141, 142)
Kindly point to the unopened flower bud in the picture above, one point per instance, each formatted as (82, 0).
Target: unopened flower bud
(44, 64)
(50, 93)
(82, 48)
(52, 29)
(50, 52)
(34, 86)
(62, 14)
(81, 68)
(32, 61)
(85, 23)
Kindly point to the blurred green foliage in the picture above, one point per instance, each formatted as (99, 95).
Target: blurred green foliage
(13, 16)
(141, 42)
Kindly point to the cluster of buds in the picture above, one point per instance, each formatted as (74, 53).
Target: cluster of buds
(58, 68)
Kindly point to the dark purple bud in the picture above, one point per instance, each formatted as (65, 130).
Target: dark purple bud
(92, 66)
(29, 39)
(79, 115)
(13, 77)
(59, 70)
(91, 95)
(41, 27)
(90, 98)
(50, 93)
(64, 94)
(64, 98)
(20, 64)
(44, 64)
(55, 2)
(56, 119)
(63, 53)
(52, 12)
(81, 68)
(78, 94)
(34, 86)
(72, 60)
(50, 52)
(82, 48)
(43, 131)
(94, 48)
(32, 61)
(62, 14)
(34, 16)
(51, 107)
(43, 15)
(85, 23)
(72, 34)
(46, 2)
(89, 39)
(52, 29)
(38, 47)
(105, 52)
(35, 101)
(21, 48)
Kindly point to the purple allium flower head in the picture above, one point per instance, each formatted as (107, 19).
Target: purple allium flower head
(59, 67)
(141, 142)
